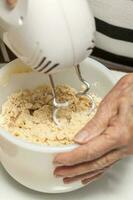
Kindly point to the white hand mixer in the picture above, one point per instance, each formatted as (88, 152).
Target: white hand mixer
(50, 35)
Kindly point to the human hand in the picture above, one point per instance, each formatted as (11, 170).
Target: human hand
(11, 3)
(106, 139)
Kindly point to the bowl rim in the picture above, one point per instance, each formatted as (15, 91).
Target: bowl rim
(46, 148)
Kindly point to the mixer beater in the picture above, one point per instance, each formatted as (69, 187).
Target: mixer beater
(58, 105)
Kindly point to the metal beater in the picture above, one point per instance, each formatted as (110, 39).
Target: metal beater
(57, 105)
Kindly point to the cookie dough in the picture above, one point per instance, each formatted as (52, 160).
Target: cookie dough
(27, 114)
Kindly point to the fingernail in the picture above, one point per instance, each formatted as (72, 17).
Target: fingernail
(56, 164)
(87, 182)
(57, 175)
(81, 137)
(67, 181)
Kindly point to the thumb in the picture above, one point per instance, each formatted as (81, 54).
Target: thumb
(95, 127)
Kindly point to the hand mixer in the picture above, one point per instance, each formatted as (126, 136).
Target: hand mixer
(50, 35)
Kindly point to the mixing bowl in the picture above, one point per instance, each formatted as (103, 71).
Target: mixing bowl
(32, 164)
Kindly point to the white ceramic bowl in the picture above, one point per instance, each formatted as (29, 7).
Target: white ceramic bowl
(31, 164)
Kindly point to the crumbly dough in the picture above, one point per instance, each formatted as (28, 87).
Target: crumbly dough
(27, 114)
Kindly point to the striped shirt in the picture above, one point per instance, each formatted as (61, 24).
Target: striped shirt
(114, 35)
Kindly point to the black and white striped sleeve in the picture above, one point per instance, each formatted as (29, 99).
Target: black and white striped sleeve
(114, 36)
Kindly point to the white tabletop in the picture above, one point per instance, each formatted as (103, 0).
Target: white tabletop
(117, 184)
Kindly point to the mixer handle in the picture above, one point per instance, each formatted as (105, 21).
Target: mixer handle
(12, 17)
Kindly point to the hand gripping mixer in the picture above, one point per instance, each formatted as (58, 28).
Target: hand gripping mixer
(50, 35)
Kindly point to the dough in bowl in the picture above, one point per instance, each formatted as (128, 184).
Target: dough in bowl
(27, 114)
